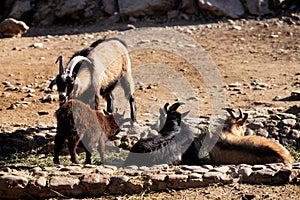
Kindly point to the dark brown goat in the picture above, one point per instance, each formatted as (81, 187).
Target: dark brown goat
(77, 122)
(233, 147)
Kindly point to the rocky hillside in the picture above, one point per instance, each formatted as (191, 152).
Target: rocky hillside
(51, 12)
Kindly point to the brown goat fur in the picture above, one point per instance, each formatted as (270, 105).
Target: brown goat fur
(233, 147)
(78, 123)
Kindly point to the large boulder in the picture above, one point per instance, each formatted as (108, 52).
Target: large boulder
(228, 8)
(258, 7)
(189, 6)
(12, 28)
(144, 7)
(110, 6)
(20, 8)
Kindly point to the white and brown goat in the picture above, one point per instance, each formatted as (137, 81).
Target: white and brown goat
(94, 72)
(233, 147)
(78, 123)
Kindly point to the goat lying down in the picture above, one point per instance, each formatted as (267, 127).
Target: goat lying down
(94, 72)
(78, 123)
(233, 147)
(166, 148)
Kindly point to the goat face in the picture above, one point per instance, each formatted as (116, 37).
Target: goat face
(236, 125)
(114, 127)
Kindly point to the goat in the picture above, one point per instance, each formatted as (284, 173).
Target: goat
(78, 123)
(233, 147)
(94, 72)
(168, 147)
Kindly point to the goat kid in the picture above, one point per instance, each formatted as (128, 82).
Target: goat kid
(94, 72)
(166, 148)
(78, 123)
(233, 147)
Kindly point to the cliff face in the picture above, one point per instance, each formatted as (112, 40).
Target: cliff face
(51, 12)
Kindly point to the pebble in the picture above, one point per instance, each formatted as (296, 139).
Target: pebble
(289, 122)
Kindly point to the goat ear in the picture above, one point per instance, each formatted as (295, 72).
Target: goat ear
(175, 106)
(61, 67)
(53, 82)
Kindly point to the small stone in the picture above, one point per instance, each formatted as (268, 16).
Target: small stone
(289, 122)
(37, 45)
(235, 27)
(262, 132)
(195, 176)
(255, 125)
(41, 182)
(294, 134)
(245, 171)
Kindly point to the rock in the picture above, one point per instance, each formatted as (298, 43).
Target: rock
(294, 134)
(258, 7)
(289, 122)
(70, 7)
(20, 8)
(255, 125)
(13, 28)
(37, 45)
(95, 183)
(262, 132)
(228, 8)
(110, 6)
(296, 94)
(144, 7)
(8, 181)
(60, 183)
(189, 6)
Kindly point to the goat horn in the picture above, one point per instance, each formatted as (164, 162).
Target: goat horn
(241, 114)
(231, 112)
(166, 106)
(175, 106)
(61, 67)
(183, 115)
(74, 61)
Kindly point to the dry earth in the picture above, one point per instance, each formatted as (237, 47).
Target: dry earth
(263, 52)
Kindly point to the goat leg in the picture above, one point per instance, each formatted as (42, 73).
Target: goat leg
(109, 102)
(87, 156)
(101, 150)
(132, 108)
(72, 144)
(58, 145)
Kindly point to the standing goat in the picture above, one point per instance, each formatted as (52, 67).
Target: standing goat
(94, 72)
(77, 122)
(233, 147)
(166, 148)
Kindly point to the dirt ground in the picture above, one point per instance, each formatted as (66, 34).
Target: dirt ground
(248, 52)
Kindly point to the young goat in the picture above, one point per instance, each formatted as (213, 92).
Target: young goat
(233, 147)
(168, 147)
(77, 122)
(94, 72)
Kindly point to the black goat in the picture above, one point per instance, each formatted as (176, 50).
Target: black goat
(166, 148)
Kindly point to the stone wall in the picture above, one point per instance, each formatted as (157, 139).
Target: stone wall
(91, 180)
(51, 12)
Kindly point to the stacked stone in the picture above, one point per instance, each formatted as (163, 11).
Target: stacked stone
(92, 180)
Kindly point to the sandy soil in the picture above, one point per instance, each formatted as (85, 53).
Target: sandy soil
(264, 53)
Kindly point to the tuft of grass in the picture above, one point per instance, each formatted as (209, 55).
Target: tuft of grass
(294, 152)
